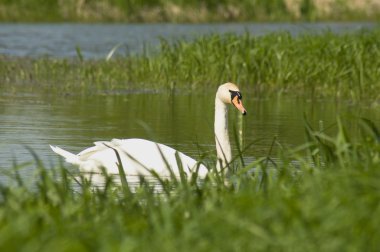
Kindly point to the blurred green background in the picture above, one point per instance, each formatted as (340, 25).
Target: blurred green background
(189, 11)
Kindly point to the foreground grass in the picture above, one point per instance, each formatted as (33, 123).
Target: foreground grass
(308, 65)
(329, 204)
(186, 11)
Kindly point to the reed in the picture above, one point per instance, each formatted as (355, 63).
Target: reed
(297, 205)
(322, 65)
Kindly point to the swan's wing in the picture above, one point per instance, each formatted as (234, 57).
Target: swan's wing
(126, 142)
(101, 143)
(99, 146)
(152, 155)
(138, 155)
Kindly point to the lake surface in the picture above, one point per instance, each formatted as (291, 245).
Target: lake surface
(180, 121)
(96, 40)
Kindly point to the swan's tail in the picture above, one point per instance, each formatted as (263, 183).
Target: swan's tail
(70, 157)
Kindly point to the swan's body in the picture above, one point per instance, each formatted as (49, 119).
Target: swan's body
(139, 156)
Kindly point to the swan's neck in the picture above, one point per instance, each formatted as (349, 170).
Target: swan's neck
(223, 147)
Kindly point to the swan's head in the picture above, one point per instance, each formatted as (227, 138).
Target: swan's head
(229, 93)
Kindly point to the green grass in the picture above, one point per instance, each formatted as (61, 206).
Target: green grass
(324, 65)
(322, 196)
(185, 11)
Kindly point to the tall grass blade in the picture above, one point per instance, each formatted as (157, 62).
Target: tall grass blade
(371, 128)
(122, 175)
(173, 177)
(79, 53)
(239, 145)
(182, 174)
(264, 168)
(113, 50)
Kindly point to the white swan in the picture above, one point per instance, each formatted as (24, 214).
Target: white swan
(138, 156)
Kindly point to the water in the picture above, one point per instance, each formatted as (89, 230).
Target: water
(180, 121)
(96, 40)
(184, 122)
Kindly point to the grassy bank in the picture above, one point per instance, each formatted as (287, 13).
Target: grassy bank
(331, 204)
(186, 11)
(325, 65)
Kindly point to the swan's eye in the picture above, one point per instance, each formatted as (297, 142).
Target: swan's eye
(234, 94)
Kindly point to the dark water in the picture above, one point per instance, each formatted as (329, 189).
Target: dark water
(96, 40)
(181, 121)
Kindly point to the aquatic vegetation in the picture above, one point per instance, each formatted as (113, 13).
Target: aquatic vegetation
(318, 65)
(186, 11)
(331, 203)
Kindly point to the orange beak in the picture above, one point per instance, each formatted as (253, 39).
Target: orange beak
(239, 105)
